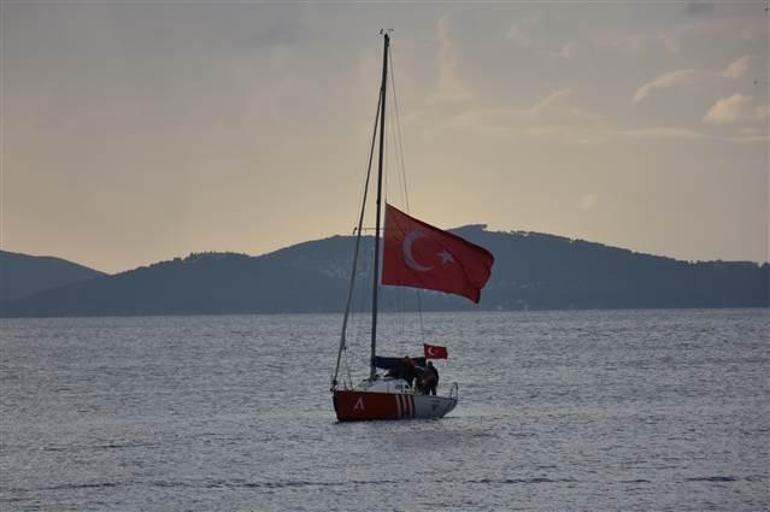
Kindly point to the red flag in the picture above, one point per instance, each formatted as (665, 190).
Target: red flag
(419, 255)
(434, 351)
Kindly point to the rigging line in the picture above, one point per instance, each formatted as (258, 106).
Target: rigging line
(396, 193)
(419, 315)
(356, 327)
(398, 172)
(348, 382)
(389, 147)
(357, 246)
(356, 331)
(388, 144)
(399, 296)
(385, 163)
(399, 138)
(347, 370)
(399, 142)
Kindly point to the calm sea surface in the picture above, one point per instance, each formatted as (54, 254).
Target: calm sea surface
(620, 410)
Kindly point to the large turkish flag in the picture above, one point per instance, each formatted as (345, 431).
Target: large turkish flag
(422, 256)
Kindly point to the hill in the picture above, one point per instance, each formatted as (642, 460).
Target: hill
(22, 275)
(532, 271)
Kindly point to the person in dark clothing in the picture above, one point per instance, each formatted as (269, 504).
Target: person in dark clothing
(408, 370)
(433, 380)
(422, 380)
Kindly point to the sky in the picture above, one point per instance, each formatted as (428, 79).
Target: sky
(135, 132)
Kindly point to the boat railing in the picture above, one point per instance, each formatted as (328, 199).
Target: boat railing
(454, 391)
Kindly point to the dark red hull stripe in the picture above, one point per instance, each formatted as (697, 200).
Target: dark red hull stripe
(360, 405)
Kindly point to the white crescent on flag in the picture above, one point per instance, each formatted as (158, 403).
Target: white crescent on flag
(409, 239)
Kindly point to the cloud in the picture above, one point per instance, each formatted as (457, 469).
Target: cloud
(450, 88)
(750, 139)
(734, 70)
(520, 30)
(625, 40)
(560, 105)
(556, 101)
(516, 35)
(567, 51)
(674, 78)
(662, 133)
(737, 68)
(555, 119)
(752, 133)
(736, 109)
(703, 31)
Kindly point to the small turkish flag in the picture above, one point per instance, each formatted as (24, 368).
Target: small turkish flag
(422, 256)
(434, 351)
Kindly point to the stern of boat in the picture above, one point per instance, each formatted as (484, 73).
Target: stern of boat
(394, 400)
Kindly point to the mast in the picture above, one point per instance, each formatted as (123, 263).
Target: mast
(376, 272)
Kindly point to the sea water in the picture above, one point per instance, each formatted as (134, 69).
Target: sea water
(603, 410)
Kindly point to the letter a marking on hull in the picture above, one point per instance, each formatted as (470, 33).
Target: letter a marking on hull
(359, 405)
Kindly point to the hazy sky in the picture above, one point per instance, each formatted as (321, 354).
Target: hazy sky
(140, 131)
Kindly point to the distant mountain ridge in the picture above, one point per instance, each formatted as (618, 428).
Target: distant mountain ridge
(22, 275)
(531, 271)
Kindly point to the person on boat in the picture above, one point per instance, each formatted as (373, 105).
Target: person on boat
(432, 382)
(426, 380)
(394, 373)
(408, 370)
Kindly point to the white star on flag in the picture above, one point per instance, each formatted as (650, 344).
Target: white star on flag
(446, 257)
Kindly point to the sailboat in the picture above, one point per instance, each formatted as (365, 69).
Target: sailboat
(418, 255)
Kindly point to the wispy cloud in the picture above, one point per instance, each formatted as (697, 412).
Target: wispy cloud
(737, 68)
(520, 31)
(556, 119)
(567, 51)
(674, 78)
(553, 102)
(734, 71)
(559, 104)
(450, 88)
(666, 133)
(662, 133)
(618, 40)
(750, 139)
(736, 109)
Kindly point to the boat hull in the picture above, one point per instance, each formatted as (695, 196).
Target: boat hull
(353, 405)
